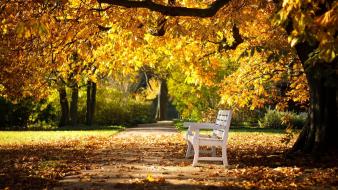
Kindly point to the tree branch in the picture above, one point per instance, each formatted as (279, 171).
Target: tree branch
(170, 10)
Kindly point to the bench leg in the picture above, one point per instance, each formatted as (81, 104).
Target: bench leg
(189, 149)
(224, 156)
(196, 155)
(213, 151)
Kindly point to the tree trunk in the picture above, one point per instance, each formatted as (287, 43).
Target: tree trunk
(318, 135)
(91, 101)
(162, 100)
(74, 104)
(88, 101)
(64, 120)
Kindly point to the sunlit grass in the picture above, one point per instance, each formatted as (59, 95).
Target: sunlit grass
(36, 137)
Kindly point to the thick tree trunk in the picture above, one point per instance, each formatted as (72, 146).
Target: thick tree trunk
(91, 102)
(74, 105)
(162, 100)
(64, 120)
(319, 134)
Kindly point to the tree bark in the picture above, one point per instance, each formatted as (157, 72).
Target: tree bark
(318, 135)
(64, 120)
(88, 101)
(74, 105)
(91, 102)
(162, 100)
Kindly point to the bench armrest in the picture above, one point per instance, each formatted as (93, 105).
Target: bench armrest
(197, 126)
(193, 125)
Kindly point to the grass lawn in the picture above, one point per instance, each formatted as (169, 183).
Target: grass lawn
(36, 137)
(55, 136)
(244, 130)
(239, 130)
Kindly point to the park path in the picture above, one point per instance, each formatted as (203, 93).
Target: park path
(158, 129)
(149, 156)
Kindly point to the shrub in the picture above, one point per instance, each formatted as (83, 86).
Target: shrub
(281, 120)
(42, 125)
(272, 119)
(116, 108)
(299, 120)
(43, 112)
(21, 114)
(246, 117)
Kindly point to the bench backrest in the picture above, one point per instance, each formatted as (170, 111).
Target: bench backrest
(223, 119)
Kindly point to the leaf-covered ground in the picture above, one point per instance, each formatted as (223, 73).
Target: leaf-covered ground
(150, 161)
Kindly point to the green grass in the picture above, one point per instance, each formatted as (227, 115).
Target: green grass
(34, 137)
(256, 130)
(70, 128)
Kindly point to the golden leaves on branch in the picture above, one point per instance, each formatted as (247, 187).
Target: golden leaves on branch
(310, 26)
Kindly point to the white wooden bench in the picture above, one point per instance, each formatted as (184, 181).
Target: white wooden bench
(219, 137)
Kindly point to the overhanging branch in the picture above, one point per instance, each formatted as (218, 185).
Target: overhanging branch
(170, 10)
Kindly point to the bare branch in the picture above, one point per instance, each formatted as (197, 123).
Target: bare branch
(170, 10)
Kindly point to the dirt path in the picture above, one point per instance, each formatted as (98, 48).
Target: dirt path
(146, 157)
(157, 129)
